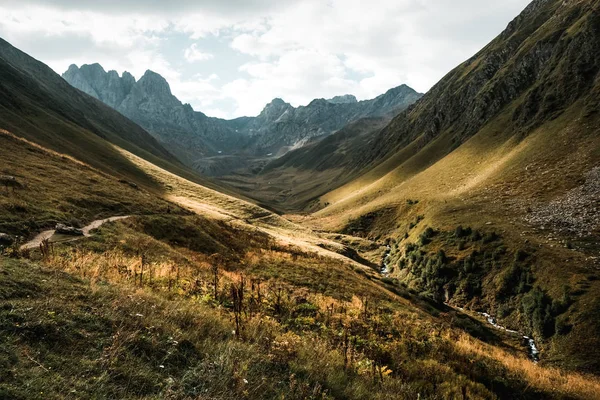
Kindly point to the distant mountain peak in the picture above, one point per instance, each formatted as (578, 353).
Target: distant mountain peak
(318, 102)
(344, 99)
(277, 102)
(73, 68)
(154, 83)
(93, 68)
(190, 134)
(275, 109)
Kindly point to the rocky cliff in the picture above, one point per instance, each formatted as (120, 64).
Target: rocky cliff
(150, 103)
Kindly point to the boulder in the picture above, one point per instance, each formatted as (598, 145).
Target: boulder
(10, 181)
(6, 239)
(68, 230)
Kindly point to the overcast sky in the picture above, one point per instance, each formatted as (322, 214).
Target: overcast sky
(230, 57)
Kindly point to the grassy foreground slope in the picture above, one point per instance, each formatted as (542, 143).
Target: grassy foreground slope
(64, 338)
(488, 188)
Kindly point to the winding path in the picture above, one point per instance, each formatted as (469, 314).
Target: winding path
(39, 238)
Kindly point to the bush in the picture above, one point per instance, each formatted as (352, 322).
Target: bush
(562, 327)
(490, 237)
(426, 236)
(515, 280)
(537, 306)
(460, 232)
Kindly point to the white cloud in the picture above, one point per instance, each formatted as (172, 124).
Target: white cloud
(298, 76)
(298, 50)
(194, 54)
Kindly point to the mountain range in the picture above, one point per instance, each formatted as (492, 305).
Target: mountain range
(194, 137)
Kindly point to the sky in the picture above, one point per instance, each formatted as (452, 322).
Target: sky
(228, 58)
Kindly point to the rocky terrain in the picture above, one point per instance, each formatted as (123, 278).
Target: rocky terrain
(194, 137)
(575, 213)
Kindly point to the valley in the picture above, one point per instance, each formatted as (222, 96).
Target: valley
(443, 245)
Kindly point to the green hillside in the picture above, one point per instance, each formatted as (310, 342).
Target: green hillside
(506, 145)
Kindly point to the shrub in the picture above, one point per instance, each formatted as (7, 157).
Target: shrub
(460, 232)
(475, 236)
(515, 280)
(490, 237)
(537, 306)
(426, 236)
(562, 327)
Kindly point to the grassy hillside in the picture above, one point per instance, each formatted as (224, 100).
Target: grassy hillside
(134, 310)
(54, 187)
(89, 320)
(507, 145)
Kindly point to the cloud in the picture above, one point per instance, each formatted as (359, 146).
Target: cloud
(298, 76)
(194, 54)
(261, 49)
(160, 7)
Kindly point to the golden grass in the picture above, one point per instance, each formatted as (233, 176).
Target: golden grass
(47, 151)
(546, 379)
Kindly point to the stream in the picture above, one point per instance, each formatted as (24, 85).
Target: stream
(534, 352)
(385, 261)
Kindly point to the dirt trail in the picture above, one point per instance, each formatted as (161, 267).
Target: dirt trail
(50, 234)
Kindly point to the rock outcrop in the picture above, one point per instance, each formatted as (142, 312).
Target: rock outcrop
(6, 239)
(68, 230)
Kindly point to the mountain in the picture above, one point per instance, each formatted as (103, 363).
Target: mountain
(149, 102)
(215, 146)
(281, 127)
(345, 99)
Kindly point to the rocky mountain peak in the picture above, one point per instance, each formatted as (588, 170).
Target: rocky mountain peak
(76, 78)
(155, 83)
(274, 109)
(127, 77)
(93, 71)
(345, 99)
(318, 103)
(73, 68)
(277, 102)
